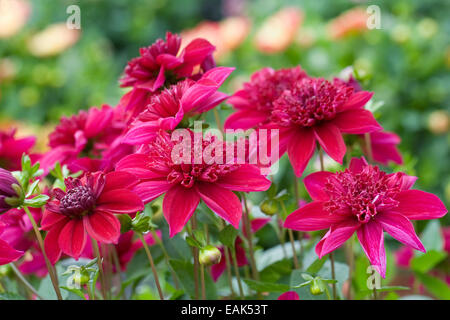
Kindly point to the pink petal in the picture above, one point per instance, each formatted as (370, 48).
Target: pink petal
(247, 178)
(7, 253)
(98, 120)
(336, 236)
(357, 100)
(300, 149)
(245, 119)
(289, 295)
(141, 134)
(119, 201)
(218, 268)
(400, 228)
(138, 165)
(49, 219)
(52, 249)
(150, 190)
(258, 223)
(72, 238)
(169, 61)
(119, 180)
(370, 237)
(218, 75)
(196, 51)
(357, 164)
(356, 121)
(330, 139)
(222, 201)
(311, 217)
(420, 205)
(102, 226)
(315, 185)
(178, 206)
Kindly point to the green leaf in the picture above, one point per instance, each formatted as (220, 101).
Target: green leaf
(317, 265)
(434, 285)
(125, 222)
(260, 286)
(185, 272)
(78, 292)
(11, 296)
(36, 202)
(228, 236)
(193, 242)
(427, 261)
(432, 236)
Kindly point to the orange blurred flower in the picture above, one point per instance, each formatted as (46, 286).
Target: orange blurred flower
(225, 35)
(13, 16)
(279, 30)
(349, 22)
(53, 40)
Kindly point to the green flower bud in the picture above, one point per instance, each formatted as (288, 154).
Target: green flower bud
(209, 255)
(82, 277)
(269, 207)
(315, 287)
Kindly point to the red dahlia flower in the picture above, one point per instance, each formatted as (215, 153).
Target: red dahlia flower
(166, 110)
(92, 133)
(11, 149)
(88, 207)
(7, 253)
(367, 201)
(319, 110)
(254, 103)
(184, 184)
(162, 64)
(384, 147)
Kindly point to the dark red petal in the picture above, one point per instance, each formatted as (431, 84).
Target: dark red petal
(51, 245)
(357, 100)
(246, 178)
(300, 149)
(222, 201)
(72, 238)
(330, 138)
(150, 190)
(138, 165)
(178, 206)
(357, 164)
(102, 226)
(119, 180)
(356, 121)
(119, 201)
(7, 253)
(420, 205)
(315, 185)
(49, 219)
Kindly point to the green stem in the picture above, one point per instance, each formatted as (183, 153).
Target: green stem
(100, 267)
(291, 239)
(195, 253)
(368, 143)
(152, 265)
(166, 258)
(236, 271)
(375, 294)
(249, 237)
(24, 281)
(50, 269)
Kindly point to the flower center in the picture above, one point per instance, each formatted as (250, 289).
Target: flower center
(187, 174)
(309, 102)
(77, 202)
(362, 195)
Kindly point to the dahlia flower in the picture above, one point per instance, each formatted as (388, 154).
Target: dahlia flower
(88, 207)
(384, 147)
(254, 103)
(317, 110)
(184, 184)
(166, 110)
(162, 64)
(241, 258)
(92, 133)
(7, 253)
(368, 201)
(11, 149)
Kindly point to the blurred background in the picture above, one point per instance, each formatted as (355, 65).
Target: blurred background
(48, 70)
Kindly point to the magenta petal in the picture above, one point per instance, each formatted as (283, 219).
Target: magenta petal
(420, 205)
(138, 165)
(196, 51)
(169, 61)
(311, 217)
(7, 253)
(315, 185)
(51, 246)
(141, 134)
(150, 190)
(400, 228)
(49, 219)
(119, 201)
(222, 201)
(246, 178)
(72, 238)
(218, 75)
(119, 180)
(159, 82)
(98, 120)
(300, 149)
(218, 268)
(178, 206)
(358, 100)
(356, 121)
(357, 164)
(370, 237)
(245, 119)
(336, 236)
(103, 227)
(289, 295)
(330, 138)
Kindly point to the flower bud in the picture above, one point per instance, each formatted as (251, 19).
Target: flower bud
(269, 207)
(315, 288)
(10, 191)
(209, 255)
(81, 278)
